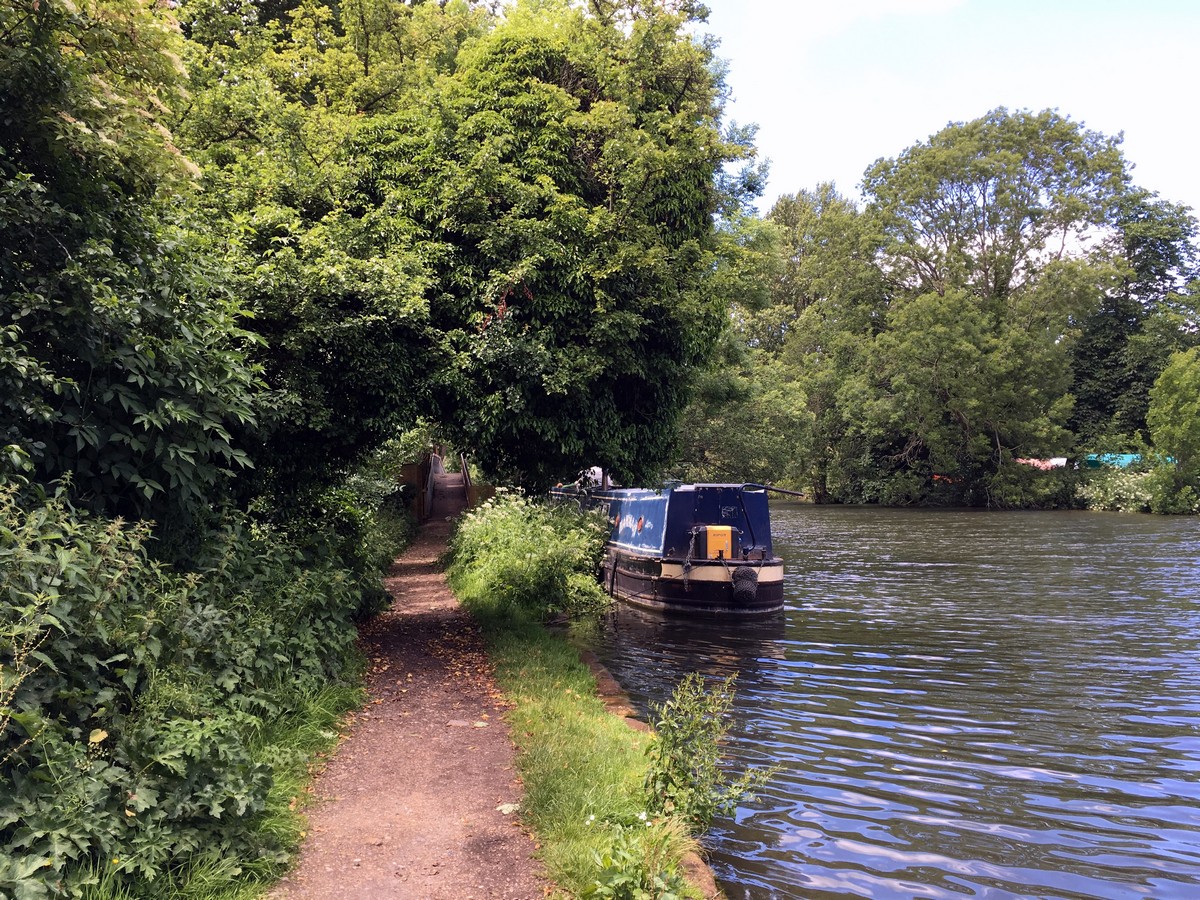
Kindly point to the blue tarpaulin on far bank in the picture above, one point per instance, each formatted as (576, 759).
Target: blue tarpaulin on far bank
(1116, 460)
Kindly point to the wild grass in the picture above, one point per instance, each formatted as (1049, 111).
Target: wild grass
(583, 768)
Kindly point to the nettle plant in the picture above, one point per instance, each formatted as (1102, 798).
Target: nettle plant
(686, 778)
(131, 695)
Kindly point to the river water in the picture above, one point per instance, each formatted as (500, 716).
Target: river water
(960, 704)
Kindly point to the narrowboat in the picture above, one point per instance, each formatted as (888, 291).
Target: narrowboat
(691, 548)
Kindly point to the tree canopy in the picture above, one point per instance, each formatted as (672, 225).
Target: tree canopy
(505, 225)
(258, 246)
(1005, 293)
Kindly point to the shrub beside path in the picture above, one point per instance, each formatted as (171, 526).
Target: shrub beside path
(417, 800)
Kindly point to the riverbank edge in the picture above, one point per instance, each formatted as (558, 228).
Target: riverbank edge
(582, 767)
(554, 657)
(617, 702)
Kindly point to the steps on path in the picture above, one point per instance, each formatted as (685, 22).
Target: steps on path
(449, 496)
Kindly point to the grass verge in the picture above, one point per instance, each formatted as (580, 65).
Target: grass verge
(512, 562)
(583, 769)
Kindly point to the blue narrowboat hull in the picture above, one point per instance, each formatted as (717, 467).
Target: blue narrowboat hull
(702, 549)
(664, 586)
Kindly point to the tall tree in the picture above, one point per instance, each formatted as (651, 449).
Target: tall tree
(994, 246)
(121, 363)
(519, 240)
(949, 397)
(810, 296)
(1174, 416)
(590, 227)
(831, 303)
(337, 282)
(937, 335)
(985, 205)
(1125, 342)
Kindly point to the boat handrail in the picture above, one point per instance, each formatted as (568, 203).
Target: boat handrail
(749, 522)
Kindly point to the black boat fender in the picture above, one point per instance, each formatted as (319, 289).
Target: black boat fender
(745, 584)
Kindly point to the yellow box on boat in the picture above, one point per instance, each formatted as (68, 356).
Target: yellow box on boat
(720, 541)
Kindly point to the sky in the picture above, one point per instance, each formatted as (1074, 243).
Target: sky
(836, 85)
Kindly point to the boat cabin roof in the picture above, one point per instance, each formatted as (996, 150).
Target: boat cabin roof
(663, 522)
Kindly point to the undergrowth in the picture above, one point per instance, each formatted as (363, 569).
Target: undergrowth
(289, 746)
(513, 554)
(156, 725)
(1157, 488)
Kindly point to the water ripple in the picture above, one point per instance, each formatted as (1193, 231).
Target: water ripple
(960, 704)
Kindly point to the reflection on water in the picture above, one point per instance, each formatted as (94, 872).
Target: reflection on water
(962, 704)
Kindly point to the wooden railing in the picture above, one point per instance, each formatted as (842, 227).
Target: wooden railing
(466, 477)
(435, 466)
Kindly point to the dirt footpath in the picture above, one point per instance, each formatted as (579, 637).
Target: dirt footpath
(419, 799)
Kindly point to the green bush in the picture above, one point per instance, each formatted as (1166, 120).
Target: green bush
(514, 554)
(359, 524)
(1172, 493)
(1161, 489)
(1116, 490)
(1024, 487)
(640, 862)
(132, 696)
(686, 779)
